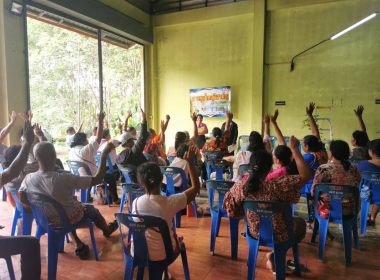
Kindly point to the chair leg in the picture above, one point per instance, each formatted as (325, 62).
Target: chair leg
(218, 224)
(4, 195)
(107, 196)
(315, 230)
(363, 217)
(293, 208)
(356, 236)
(140, 273)
(195, 208)
(94, 189)
(67, 238)
(10, 268)
(234, 236)
(38, 233)
(280, 262)
(53, 249)
(296, 259)
(323, 227)
(128, 271)
(90, 227)
(14, 224)
(178, 219)
(347, 240)
(184, 262)
(27, 221)
(62, 244)
(214, 220)
(252, 257)
(122, 202)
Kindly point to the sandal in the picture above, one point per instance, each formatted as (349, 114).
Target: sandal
(114, 225)
(370, 222)
(81, 251)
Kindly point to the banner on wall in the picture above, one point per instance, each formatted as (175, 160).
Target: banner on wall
(210, 102)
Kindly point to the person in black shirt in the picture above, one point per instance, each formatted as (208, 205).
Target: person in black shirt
(233, 133)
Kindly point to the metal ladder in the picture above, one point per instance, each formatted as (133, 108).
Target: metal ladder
(324, 119)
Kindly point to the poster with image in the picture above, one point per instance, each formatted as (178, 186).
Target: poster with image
(210, 102)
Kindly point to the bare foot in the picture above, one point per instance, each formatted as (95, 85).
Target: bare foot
(270, 261)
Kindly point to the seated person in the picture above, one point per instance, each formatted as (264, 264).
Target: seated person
(83, 151)
(180, 163)
(285, 189)
(359, 139)
(132, 153)
(372, 165)
(157, 138)
(165, 207)
(71, 133)
(338, 171)
(60, 187)
(152, 148)
(94, 133)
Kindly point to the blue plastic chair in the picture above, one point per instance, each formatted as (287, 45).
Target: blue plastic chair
(336, 193)
(355, 162)
(266, 210)
(169, 173)
(11, 272)
(244, 143)
(217, 213)
(171, 158)
(372, 180)
(27, 218)
(286, 138)
(109, 162)
(141, 254)
(136, 190)
(56, 236)
(242, 168)
(149, 157)
(300, 147)
(214, 158)
(4, 197)
(273, 141)
(84, 194)
(125, 170)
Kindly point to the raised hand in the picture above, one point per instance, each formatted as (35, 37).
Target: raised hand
(119, 126)
(266, 118)
(143, 116)
(38, 131)
(28, 132)
(101, 116)
(191, 154)
(294, 143)
(13, 116)
(106, 124)
(310, 109)
(129, 114)
(162, 125)
(229, 115)
(27, 118)
(108, 149)
(167, 118)
(194, 117)
(273, 118)
(359, 111)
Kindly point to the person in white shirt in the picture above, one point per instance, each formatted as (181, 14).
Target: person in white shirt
(179, 162)
(103, 143)
(84, 151)
(94, 133)
(71, 133)
(60, 187)
(155, 204)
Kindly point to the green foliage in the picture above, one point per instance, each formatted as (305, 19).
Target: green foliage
(64, 79)
(306, 124)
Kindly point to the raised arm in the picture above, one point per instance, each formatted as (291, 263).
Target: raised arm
(119, 128)
(80, 127)
(195, 128)
(99, 176)
(129, 114)
(313, 124)
(99, 133)
(192, 192)
(162, 132)
(141, 142)
(39, 133)
(266, 121)
(18, 164)
(5, 131)
(302, 166)
(359, 113)
(228, 122)
(273, 120)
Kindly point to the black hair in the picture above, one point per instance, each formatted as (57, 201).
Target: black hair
(10, 154)
(95, 129)
(217, 132)
(182, 150)
(313, 143)
(260, 163)
(361, 138)
(78, 139)
(106, 131)
(255, 142)
(284, 154)
(70, 128)
(130, 129)
(180, 138)
(374, 146)
(199, 115)
(341, 151)
(149, 174)
(151, 131)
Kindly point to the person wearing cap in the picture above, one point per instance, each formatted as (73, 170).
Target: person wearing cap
(132, 153)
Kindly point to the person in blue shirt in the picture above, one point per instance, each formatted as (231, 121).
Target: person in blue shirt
(372, 165)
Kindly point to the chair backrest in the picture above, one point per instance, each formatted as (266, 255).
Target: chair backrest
(222, 187)
(138, 229)
(125, 170)
(1, 161)
(373, 178)
(12, 188)
(149, 157)
(243, 145)
(98, 155)
(300, 147)
(273, 140)
(355, 162)
(211, 155)
(136, 190)
(170, 172)
(40, 203)
(171, 158)
(286, 138)
(265, 210)
(214, 158)
(244, 167)
(336, 192)
(76, 165)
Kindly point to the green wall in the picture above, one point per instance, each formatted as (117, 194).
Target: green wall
(209, 47)
(342, 73)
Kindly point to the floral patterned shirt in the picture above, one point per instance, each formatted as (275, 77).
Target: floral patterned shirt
(152, 149)
(360, 153)
(322, 157)
(210, 145)
(286, 188)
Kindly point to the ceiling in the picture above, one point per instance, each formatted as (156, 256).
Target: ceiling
(156, 7)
